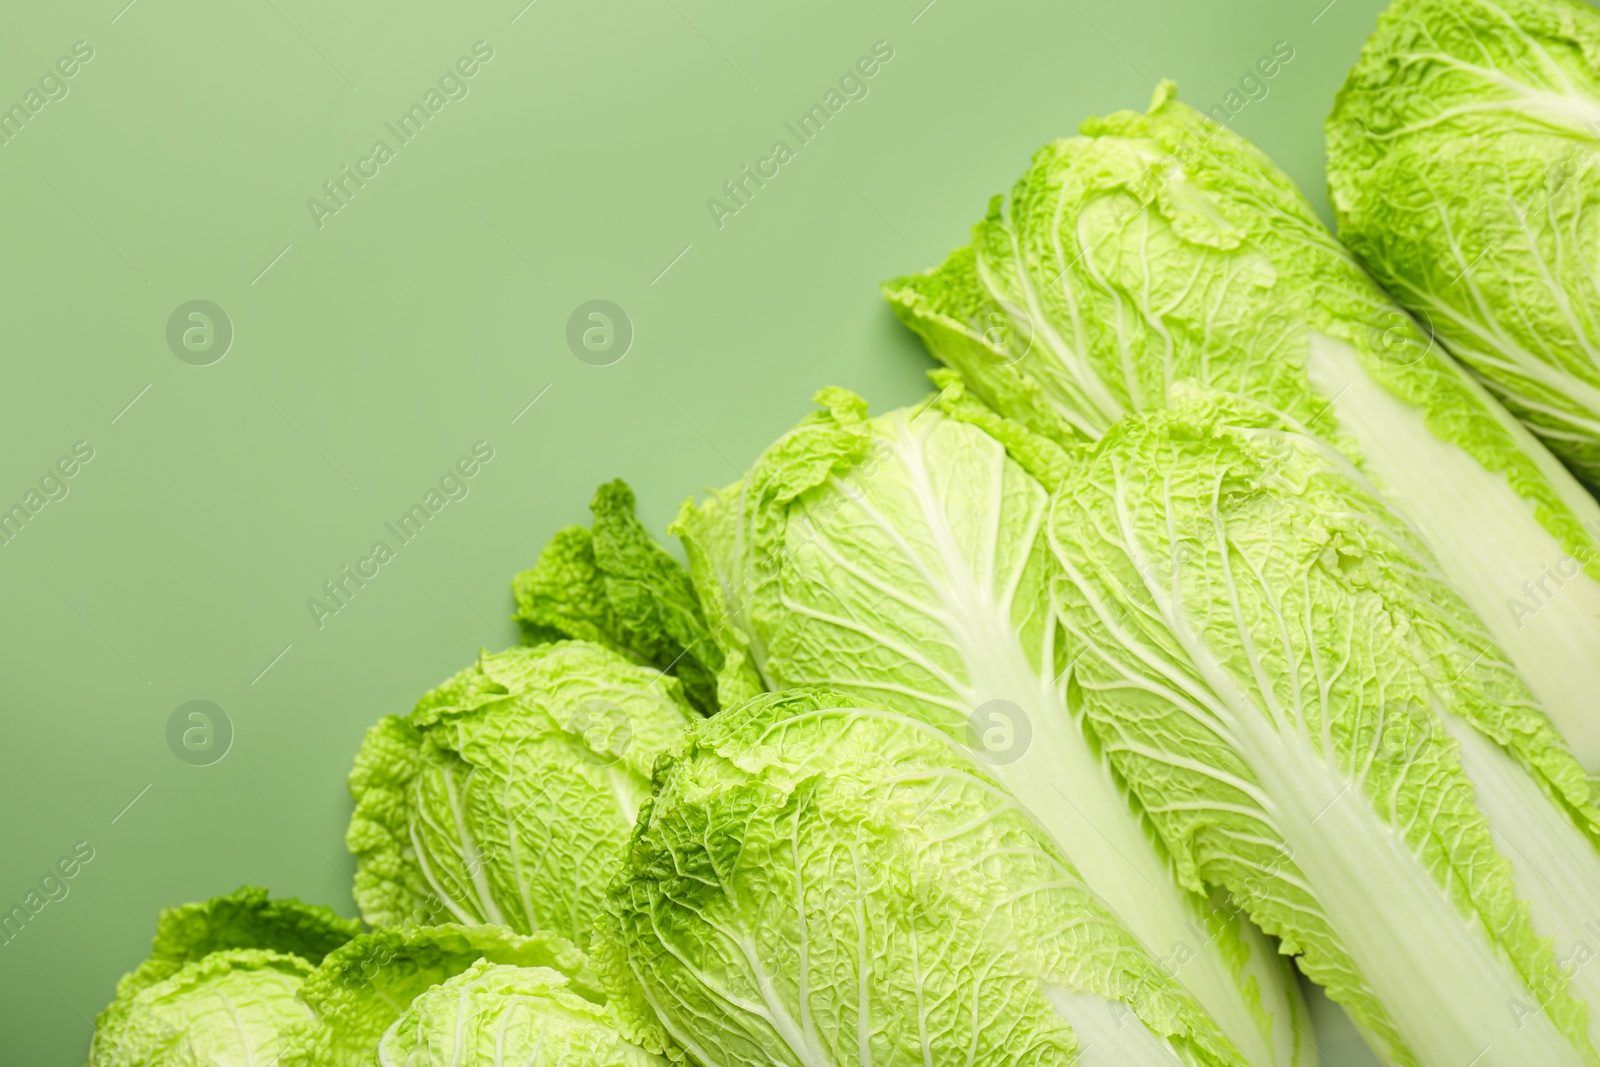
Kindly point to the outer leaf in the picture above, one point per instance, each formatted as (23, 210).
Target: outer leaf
(390, 886)
(495, 1015)
(245, 918)
(509, 792)
(902, 561)
(1161, 247)
(1463, 171)
(229, 1009)
(1316, 722)
(816, 883)
(220, 982)
(362, 988)
(616, 587)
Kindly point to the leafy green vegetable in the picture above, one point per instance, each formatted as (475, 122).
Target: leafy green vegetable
(230, 1008)
(1462, 167)
(616, 587)
(1161, 247)
(1316, 722)
(818, 883)
(220, 985)
(496, 1015)
(902, 561)
(506, 796)
(359, 990)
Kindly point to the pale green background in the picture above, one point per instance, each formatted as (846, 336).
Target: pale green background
(415, 323)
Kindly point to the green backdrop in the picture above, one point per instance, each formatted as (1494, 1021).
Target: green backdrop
(374, 345)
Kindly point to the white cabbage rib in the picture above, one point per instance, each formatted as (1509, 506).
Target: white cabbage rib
(1486, 538)
(818, 885)
(1159, 248)
(1557, 869)
(1410, 944)
(1462, 168)
(918, 581)
(1109, 1035)
(1278, 669)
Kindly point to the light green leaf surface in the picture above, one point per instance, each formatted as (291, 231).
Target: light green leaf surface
(1463, 171)
(820, 884)
(219, 988)
(902, 561)
(497, 1015)
(1160, 247)
(1316, 722)
(227, 1010)
(507, 795)
(616, 587)
(359, 991)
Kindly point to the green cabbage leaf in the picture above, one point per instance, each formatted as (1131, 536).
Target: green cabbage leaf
(499, 1015)
(220, 987)
(902, 561)
(1462, 169)
(1161, 247)
(1317, 723)
(613, 585)
(816, 883)
(359, 990)
(507, 795)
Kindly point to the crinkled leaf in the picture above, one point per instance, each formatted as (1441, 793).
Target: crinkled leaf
(497, 1015)
(817, 883)
(220, 982)
(1161, 247)
(1463, 171)
(615, 586)
(904, 562)
(1316, 722)
(507, 795)
(360, 989)
(230, 1008)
